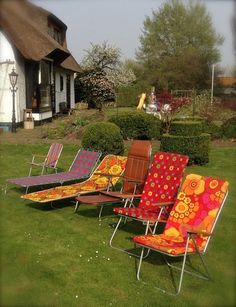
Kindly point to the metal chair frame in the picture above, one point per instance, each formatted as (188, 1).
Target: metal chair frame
(45, 165)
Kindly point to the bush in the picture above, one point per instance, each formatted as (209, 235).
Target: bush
(186, 128)
(213, 129)
(196, 147)
(55, 132)
(105, 137)
(229, 128)
(128, 96)
(137, 125)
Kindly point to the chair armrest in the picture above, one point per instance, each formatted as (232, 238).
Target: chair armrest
(133, 180)
(37, 156)
(126, 195)
(199, 232)
(106, 174)
(164, 204)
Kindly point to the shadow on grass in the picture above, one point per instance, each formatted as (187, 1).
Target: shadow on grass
(93, 210)
(56, 205)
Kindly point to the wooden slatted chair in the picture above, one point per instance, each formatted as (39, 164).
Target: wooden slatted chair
(132, 181)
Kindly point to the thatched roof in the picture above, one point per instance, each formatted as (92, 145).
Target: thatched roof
(26, 27)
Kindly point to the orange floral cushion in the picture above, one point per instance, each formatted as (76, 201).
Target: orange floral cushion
(111, 164)
(196, 208)
(165, 244)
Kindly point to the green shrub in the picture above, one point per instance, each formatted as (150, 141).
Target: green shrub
(229, 128)
(137, 125)
(196, 147)
(213, 129)
(55, 132)
(189, 118)
(103, 136)
(205, 127)
(80, 122)
(128, 96)
(186, 128)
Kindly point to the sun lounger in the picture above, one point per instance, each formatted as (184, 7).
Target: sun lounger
(81, 167)
(102, 179)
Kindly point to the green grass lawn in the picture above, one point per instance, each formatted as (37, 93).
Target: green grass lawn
(53, 257)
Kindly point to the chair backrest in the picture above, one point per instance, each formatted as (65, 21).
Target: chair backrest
(137, 165)
(111, 164)
(84, 162)
(53, 154)
(197, 207)
(164, 179)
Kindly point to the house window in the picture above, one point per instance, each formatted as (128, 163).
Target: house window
(61, 83)
(31, 84)
(56, 33)
(45, 86)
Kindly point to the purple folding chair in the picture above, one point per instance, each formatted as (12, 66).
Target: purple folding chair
(51, 159)
(82, 166)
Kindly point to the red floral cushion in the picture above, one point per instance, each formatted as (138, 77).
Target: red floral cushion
(162, 184)
(138, 213)
(164, 178)
(196, 208)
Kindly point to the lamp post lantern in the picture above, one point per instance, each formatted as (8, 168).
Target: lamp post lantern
(13, 80)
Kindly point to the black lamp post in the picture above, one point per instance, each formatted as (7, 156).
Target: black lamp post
(13, 80)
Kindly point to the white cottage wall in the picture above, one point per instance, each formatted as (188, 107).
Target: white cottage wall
(7, 62)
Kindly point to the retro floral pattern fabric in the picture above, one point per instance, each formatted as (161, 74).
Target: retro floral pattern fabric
(196, 209)
(162, 184)
(110, 165)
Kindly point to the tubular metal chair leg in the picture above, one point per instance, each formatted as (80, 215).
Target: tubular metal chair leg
(181, 274)
(140, 262)
(5, 190)
(30, 171)
(114, 232)
(76, 206)
(121, 249)
(100, 213)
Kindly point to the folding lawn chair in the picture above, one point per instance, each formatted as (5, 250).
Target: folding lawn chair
(190, 225)
(106, 174)
(51, 159)
(82, 166)
(160, 191)
(133, 179)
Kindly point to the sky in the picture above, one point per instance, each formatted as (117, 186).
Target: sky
(120, 23)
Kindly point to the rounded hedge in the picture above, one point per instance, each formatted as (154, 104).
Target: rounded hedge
(137, 125)
(213, 129)
(196, 147)
(229, 128)
(105, 137)
(186, 128)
